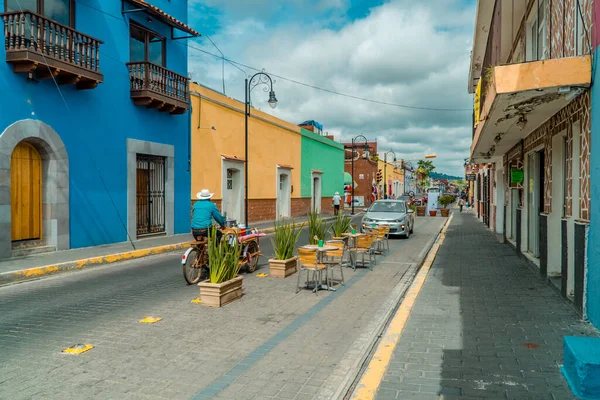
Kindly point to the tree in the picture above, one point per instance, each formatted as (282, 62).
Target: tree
(424, 169)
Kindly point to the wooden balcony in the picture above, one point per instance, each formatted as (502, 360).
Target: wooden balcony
(156, 87)
(40, 46)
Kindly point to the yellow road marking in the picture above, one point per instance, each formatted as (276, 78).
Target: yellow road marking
(370, 381)
(197, 300)
(262, 275)
(150, 320)
(78, 349)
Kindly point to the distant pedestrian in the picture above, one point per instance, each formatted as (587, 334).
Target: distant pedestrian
(336, 203)
(461, 204)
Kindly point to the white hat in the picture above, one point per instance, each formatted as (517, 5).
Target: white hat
(204, 194)
(337, 192)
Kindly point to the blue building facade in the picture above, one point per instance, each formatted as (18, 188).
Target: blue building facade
(93, 147)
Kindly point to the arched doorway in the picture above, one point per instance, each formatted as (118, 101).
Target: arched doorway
(26, 192)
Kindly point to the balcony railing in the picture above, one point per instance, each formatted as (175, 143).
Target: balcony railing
(158, 87)
(34, 42)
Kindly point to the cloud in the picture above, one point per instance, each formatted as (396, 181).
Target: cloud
(403, 52)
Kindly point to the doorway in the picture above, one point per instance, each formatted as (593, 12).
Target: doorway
(284, 192)
(150, 194)
(26, 193)
(316, 193)
(233, 192)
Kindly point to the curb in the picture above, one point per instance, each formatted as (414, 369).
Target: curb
(39, 272)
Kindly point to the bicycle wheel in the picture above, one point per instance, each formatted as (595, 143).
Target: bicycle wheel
(253, 260)
(192, 268)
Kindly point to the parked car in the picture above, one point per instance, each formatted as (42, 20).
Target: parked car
(406, 198)
(394, 213)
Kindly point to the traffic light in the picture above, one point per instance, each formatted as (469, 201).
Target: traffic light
(379, 176)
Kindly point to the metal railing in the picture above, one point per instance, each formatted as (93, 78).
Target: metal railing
(28, 31)
(144, 75)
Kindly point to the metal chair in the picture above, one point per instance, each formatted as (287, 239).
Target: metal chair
(364, 246)
(309, 263)
(335, 257)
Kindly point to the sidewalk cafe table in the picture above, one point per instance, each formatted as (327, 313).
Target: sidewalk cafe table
(353, 237)
(320, 252)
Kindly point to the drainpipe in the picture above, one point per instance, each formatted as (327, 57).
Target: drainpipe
(189, 143)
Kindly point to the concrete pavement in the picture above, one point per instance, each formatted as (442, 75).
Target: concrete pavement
(484, 326)
(272, 343)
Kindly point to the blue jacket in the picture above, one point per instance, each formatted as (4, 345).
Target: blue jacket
(204, 212)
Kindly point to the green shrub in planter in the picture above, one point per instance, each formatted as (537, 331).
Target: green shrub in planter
(317, 228)
(445, 201)
(223, 257)
(285, 239)
(340, 225)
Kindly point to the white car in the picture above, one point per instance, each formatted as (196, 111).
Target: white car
(394, 213)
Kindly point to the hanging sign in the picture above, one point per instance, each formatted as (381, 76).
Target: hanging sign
(516, 176)
(471, 177)
(477, 103)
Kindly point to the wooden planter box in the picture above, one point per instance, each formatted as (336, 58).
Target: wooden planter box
(421, 211)
(432, 213)
(282, 268)
(445, 212)
(219, 294)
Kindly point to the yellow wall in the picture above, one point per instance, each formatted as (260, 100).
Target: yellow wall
(269, 145)
(393, 174)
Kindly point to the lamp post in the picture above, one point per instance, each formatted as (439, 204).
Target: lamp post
(385, 171)
(365, 151)
(260, 78)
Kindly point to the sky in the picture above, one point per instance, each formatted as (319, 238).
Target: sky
(404, 52)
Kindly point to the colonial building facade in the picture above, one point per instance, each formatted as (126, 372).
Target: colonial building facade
(94, 123)
(531, 75)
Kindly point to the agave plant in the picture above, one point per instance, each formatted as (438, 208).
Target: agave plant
(223, 257)
(340, 225)
(285, 239)
(317, 228)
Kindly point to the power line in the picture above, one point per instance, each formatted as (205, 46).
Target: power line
(294, 81)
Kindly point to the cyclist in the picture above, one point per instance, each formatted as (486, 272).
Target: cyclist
(203, 213)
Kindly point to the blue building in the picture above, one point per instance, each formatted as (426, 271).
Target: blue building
(94, 122)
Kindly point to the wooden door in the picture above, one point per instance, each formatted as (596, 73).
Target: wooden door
(26, 192)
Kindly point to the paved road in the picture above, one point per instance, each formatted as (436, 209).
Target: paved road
(194, 348)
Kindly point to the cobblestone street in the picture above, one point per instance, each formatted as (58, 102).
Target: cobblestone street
(272, 343)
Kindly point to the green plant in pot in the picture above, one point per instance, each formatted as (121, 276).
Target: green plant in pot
(284, 242)
(339, 226)
(317, 228)
(224, 284)
(445, 201)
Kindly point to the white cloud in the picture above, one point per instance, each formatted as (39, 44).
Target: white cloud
(405, 52)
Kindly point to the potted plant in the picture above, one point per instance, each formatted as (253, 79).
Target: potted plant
(224, 284)
(445, 201)
(339, 226)
(317, 228)
(421, 210)
(432, 213)
(284, 241)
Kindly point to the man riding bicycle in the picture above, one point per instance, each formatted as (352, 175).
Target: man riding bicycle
(203, 213)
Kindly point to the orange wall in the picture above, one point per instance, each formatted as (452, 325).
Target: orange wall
(269, 145)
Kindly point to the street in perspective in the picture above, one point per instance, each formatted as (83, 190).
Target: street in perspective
(308, 200)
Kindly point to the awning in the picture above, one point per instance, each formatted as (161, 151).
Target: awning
(163, 16)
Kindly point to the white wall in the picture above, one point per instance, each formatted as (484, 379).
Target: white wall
(499, 200)
(555, 217)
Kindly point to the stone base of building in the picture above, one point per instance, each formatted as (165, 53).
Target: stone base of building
(266, 209)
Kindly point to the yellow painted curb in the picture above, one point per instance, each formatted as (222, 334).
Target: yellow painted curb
(370, 381)
(37, 272)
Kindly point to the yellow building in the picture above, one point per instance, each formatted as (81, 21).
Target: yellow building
(393, 176)
(284, 180)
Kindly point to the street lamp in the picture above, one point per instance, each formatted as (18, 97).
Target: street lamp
(385, 170)
(260, 78)
(365, 152)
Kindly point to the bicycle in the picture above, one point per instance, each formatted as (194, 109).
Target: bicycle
(196, 263)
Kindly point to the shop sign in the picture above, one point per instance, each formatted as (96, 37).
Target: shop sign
(516, 176)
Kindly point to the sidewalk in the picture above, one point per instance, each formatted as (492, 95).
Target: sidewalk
(39, 265)
(484, 325)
